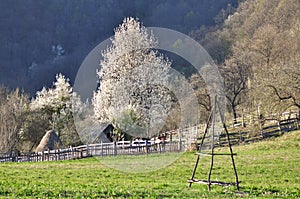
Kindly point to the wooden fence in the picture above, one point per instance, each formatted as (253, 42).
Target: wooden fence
(274, 129)
(247, 119)
(100, 150)
(179, 140)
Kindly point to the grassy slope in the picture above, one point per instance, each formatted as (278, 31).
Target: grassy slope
(266, 169)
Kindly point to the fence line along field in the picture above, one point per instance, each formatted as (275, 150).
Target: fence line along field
(178, 141)
(267, 169)
(99, 150)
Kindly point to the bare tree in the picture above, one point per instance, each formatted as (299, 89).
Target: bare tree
(236, 72)
(13, 106)
(202, 94)
(276, 73)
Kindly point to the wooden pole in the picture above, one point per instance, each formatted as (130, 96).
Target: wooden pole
(297, 121)
(232, 158)
(211, 166)
(208, 182)
(180, 141)
(212, 144)
(279, 126)
(198, 156)
(243, 119)
(58, 151)
(115, 148)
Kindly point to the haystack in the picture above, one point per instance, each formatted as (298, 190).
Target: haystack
(50, 141)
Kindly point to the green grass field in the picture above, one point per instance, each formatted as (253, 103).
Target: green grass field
(267, 169)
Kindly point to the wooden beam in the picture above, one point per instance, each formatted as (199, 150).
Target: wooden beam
(210, 154)
(213, 182)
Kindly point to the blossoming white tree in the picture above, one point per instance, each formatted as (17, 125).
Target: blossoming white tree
(133, 82)
(59, 103)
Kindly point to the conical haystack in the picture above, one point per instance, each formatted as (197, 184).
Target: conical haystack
(50, 141)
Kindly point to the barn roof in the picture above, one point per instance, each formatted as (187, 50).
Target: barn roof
(95, 133)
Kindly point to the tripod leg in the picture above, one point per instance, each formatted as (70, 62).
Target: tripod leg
(210, 169)
(195, 169)
(232, 158)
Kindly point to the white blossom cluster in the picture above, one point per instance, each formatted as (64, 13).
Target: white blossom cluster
(133, 80)
(59, 101)
(57, 98)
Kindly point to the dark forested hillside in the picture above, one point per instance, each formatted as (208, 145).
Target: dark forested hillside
(41, 38)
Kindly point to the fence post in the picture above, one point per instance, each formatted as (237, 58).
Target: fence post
(115, 148)
(180, 140)
(279, 126)
(12, 156)
(260, 119)
(58, 154)
(71, 154)
(76, 152)
(87, 150)
(243, 119)
(297, 121)
(17, 157)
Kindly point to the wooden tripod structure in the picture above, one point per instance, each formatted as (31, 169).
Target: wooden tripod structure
(211, 122)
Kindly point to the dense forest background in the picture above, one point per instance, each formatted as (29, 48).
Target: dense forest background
(42, 38)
